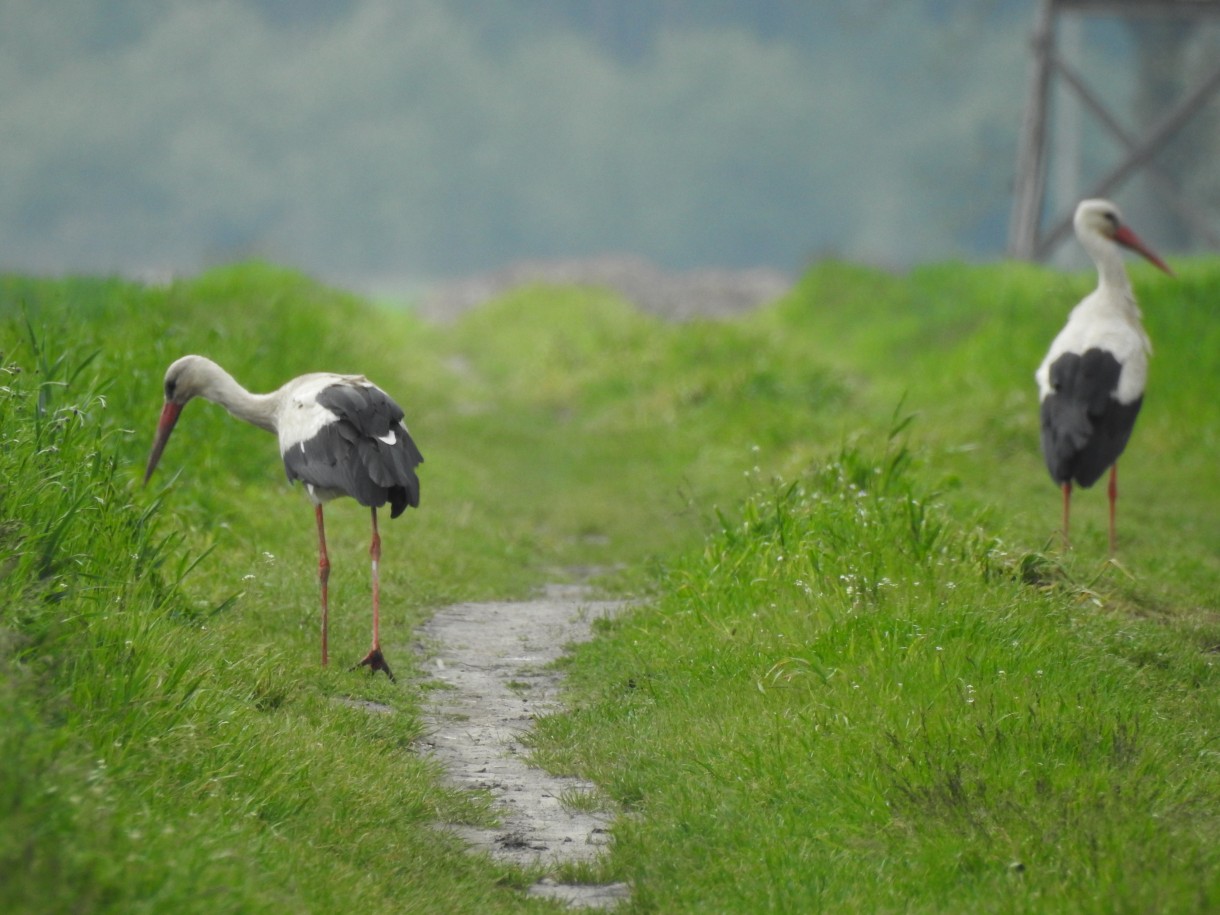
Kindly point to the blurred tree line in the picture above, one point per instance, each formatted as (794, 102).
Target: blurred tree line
(443, 137)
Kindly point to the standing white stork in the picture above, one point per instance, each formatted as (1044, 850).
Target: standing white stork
(340, 435)
(1091, 383)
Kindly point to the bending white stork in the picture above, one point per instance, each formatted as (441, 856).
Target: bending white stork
(340, 435)
(1091, 383)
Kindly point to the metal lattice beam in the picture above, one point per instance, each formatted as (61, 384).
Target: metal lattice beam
(1025, 237)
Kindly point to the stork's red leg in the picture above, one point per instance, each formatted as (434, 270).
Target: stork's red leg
(375, 660)
(323, 575)
(1113, 491)
(1067, 512)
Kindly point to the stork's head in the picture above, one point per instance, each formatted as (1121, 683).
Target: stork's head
(188, 377)
(1098, 220)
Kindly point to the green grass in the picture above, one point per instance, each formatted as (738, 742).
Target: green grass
(860, 675)
(847, 702)
(876, 688)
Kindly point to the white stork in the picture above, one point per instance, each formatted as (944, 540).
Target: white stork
(1091, 383)
(340, 435)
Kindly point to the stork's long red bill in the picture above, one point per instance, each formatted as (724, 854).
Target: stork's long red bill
(169, 416)
(1129, 239)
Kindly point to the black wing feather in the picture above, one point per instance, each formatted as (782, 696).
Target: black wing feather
(349, 455)
(1084, 427)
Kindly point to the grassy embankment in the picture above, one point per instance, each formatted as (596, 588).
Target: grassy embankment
(872, 686)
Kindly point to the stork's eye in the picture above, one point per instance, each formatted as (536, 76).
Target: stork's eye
(169, 390)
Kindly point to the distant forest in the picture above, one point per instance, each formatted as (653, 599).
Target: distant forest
(444, 137)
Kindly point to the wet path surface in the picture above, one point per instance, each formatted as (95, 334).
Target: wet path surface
(494, 661)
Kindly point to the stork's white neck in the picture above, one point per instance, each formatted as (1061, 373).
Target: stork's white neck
(220, 387)
(1111, 271)
(1113, 285)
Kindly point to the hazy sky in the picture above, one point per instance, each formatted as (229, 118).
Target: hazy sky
(372, 138)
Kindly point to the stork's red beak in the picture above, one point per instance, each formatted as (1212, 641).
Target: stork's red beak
(169, 416)
(1129, 239)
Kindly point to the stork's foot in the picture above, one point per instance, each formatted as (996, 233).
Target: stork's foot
(375, 661)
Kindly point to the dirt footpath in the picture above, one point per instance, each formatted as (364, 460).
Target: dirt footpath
(494, 660)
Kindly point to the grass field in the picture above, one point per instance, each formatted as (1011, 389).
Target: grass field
(860, 674)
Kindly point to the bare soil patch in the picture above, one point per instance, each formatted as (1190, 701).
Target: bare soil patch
(709, 292)
(495, 662)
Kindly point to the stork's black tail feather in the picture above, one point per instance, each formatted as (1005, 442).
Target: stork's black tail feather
(1084, 427)
(366, 453)
(406, 458)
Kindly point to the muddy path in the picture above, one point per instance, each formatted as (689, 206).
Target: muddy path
(494, 663)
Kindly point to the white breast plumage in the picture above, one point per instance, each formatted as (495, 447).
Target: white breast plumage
(1088, 328)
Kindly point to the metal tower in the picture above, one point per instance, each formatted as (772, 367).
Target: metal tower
(1026, 237)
